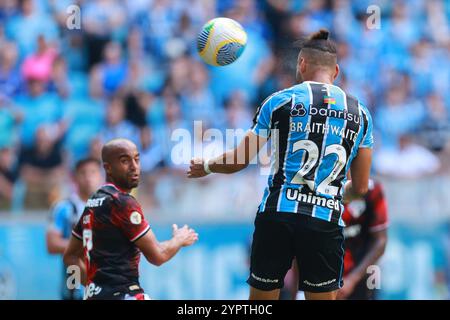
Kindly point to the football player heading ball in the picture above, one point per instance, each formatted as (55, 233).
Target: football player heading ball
(320, 133)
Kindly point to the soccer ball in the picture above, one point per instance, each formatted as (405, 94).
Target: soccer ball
(221, 41)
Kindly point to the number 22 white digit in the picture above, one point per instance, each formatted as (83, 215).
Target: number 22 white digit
(311, 160)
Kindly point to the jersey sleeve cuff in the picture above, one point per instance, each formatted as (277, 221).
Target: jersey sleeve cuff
(76, 235)
(379, 227)
(263, 133)
(141, 234)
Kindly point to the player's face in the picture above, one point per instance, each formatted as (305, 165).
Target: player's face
(89, 178)
(126, 169)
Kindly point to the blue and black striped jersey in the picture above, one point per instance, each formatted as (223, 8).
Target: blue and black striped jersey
(316, 130)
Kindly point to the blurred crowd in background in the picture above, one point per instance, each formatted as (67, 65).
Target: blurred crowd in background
(133, 71)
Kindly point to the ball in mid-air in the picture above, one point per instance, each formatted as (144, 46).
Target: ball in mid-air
(221, 41)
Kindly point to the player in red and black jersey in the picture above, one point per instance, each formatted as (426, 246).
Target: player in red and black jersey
(112, 231)
(365, 234)
(366, 222)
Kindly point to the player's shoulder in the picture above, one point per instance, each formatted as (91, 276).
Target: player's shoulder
(105, 197)
(362, 106)
(116, 196)
(127, 200)
(351, 98)
(296, 92)
(279, 97)
(363, 110)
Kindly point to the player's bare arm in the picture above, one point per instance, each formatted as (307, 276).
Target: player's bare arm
(231, 161)
(74, 256)
(158, 253)
(6, 189)
(375, 251)
(56, 244)
(360, 172)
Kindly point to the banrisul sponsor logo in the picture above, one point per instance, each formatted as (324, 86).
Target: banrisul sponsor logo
(299, 110)
(332, 113)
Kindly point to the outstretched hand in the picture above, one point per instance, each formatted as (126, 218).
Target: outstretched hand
(197, 169)
(185, 235)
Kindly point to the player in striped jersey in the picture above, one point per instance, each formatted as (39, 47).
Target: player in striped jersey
(318, 133)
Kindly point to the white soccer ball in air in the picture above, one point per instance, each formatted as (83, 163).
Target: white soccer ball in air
(221, 41)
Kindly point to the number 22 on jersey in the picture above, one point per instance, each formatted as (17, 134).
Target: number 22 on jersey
(311, 160)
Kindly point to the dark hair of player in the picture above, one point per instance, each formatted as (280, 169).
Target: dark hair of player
(319, 41)
(318, 49)
(81, 163)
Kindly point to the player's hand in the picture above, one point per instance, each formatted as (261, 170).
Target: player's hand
(197, 169)
(348, 288)
(185, 235)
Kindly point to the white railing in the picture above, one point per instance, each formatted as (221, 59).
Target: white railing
(236, 198)
(425, 200)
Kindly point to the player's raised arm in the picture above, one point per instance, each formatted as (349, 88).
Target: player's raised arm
(231, 161)
(130, 219)
(239, 158)
(158, 253)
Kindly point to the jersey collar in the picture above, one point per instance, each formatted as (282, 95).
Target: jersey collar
(110, 184)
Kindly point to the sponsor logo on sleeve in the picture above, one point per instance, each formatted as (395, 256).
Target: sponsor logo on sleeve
(135, 217)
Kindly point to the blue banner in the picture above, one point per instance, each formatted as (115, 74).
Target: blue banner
(415, 265)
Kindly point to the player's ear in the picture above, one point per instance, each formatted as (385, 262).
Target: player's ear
(302, 65)
(107, 168)
(336, 72)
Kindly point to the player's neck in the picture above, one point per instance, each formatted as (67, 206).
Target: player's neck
(110, 181)
(322, 77)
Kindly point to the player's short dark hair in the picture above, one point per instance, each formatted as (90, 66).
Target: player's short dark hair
(320, 41)
(81, 163)
(319, 48)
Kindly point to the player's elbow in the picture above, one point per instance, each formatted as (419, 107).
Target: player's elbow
(156, 260)
(158, 263)
(67, 259)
